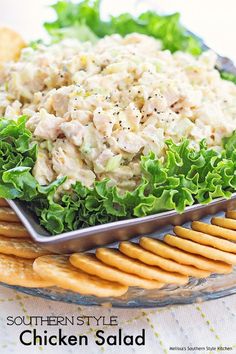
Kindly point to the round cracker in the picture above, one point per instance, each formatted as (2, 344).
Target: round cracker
(19, 271)
(90, 264)
(118, 260)
(3, 203)
(11, 44)
(231, 214)
(224, 222)
(214, 230)
(13, 230)
(21, 248)
(58, 270)
(202, 250)
(204, 239)
(7, 214)
(160, 248)
(135, 251)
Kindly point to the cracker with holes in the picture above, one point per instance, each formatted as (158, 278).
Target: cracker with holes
(135, 251)
(19, 271)
(224, 222)
(8, 215)
(204, 239)
(231, 214)
(3, 203)
(13, 230)
(118, 260)
(24, 248)
(205, 251)
(160, 248)
(214, 230)
(90, 264)
(62, 273)
(11, 44)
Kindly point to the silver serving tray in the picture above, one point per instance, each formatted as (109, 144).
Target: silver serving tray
(95, 236)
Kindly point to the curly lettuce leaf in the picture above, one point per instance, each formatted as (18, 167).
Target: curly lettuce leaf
(228, 76)
(17, 157)
(78, 31)
(83, 21)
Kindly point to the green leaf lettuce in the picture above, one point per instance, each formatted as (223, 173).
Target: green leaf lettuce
(83, 21)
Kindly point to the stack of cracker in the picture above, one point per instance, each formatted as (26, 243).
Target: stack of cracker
(150, 264)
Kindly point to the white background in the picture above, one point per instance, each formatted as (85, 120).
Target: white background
(215, 20)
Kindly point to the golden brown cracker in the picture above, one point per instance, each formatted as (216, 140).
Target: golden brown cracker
(118, 260)
(205, 251)
(135, 251)
(11, 44)
(214, 230)
(24, 248)
(19, 271)
(204, 239)
(58, 270)
(160, 248)
(224, 222)
(3, 203)
(13, 230)
(231, 214)
(8, 215)
(90, 264)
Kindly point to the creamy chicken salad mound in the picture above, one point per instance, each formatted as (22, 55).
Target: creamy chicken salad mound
(95, 109)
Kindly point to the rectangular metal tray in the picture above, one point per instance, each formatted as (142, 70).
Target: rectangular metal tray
(94, 236)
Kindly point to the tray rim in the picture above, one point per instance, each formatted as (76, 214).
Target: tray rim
(53, 239)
